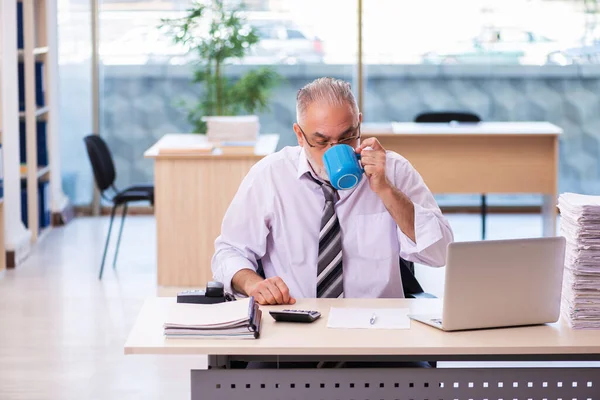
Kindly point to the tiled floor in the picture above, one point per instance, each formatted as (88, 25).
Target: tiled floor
(62, 331)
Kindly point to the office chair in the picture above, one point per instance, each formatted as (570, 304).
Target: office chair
(103, 167)
(446, 116)
(458, 116)
(412, 288)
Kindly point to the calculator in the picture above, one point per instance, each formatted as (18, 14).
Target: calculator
(295, 315)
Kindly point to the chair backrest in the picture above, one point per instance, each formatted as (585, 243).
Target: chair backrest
(101, 160)
(410, 284)
(447, 116)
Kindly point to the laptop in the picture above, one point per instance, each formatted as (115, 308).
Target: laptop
(501, 283)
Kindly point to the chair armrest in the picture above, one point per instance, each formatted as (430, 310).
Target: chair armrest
(421, 295)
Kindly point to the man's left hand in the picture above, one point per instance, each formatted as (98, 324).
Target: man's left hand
(373, 162)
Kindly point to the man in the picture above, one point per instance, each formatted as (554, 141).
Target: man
(313, 241)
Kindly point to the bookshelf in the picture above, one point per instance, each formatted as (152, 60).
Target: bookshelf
(36, 110)
(5, 124)
(33, 199)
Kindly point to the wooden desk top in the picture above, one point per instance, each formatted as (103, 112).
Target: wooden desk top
(482, 128)
(265, 145)
(146, 336)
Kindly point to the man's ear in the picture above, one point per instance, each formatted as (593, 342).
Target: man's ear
(359, 118)
(299, 136)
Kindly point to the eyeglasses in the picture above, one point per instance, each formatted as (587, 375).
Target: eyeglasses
(328, 143)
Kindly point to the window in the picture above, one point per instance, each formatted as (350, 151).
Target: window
(145, 77)
(415, 59)
(496, 32)
(491, 58)
(295, 34)
(75, 101)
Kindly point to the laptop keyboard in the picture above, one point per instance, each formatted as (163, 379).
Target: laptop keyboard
(437, 321)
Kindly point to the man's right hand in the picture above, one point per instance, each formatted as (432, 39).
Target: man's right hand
(271, 291)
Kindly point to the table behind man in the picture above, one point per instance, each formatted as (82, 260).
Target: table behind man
(313, 241)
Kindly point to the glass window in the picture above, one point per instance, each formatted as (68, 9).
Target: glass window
(494, 32)
(75, 98)
(270, 31)
(147, 86)
(511, 36)
(295, 34)
(478, 57)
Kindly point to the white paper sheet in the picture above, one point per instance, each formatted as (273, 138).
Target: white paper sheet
(580, 225)
(360, 318)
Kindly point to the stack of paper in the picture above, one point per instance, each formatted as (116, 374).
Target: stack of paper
(232, 128)
(580, 225)
(238, 319)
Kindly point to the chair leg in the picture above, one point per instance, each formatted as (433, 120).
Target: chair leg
(120, 233)
(483, 215)
(112, 217)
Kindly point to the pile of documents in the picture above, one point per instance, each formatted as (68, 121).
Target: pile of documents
(238, 319)
(580, 225)
(232, 128)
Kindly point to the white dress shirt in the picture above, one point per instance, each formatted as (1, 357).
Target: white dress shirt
(275, 216)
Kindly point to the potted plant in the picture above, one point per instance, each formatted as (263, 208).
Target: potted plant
(218, 36)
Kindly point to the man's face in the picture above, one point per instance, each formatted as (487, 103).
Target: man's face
(324, 126)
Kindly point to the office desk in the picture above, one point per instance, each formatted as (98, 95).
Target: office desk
(488, 157)
(286, 341)
(192, 192)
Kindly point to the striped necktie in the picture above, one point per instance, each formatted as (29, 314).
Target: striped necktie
(329, 266)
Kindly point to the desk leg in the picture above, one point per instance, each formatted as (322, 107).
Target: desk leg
(549, 215)
(218, 362)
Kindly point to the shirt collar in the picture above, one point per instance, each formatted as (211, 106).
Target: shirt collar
(303, 164)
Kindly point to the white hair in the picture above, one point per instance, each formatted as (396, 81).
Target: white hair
(330, 91)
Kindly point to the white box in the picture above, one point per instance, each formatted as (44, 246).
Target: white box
(232, 128)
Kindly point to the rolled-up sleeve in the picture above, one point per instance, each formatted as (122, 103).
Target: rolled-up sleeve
(228, 262)
(432, 235)
(244, 229)
(432, 231)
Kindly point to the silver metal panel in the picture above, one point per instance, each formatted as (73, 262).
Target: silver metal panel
(398, 384)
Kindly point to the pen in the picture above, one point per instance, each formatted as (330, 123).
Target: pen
(373, 319)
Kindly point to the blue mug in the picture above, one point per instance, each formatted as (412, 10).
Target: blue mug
(343, 166)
